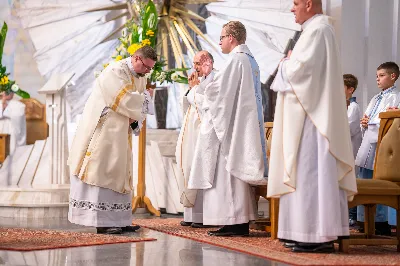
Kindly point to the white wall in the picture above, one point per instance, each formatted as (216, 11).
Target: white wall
(370, 36)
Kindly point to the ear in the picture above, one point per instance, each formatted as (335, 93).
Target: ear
(393, 76)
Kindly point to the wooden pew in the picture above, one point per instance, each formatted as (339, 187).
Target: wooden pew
(383, 188)
(269, 224)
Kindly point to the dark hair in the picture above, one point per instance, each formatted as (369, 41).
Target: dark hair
(350, 81)
(391, 68)
(147, 52)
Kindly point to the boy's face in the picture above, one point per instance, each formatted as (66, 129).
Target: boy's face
(384, 79)
(348, 91)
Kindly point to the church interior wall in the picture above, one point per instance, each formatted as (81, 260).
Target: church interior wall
(370, 36)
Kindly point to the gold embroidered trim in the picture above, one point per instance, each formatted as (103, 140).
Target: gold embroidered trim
(119, 97)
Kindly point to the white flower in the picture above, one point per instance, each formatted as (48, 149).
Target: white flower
(174, 76)
(161, 77)
(97, 73)
(14, 88)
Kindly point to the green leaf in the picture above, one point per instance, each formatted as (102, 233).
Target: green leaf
(23, 94)
(150, 21)
(3, 34)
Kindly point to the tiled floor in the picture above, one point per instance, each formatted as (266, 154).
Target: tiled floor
(167, 250)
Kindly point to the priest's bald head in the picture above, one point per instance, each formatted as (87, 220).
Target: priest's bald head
(305, 9)
(233, 34)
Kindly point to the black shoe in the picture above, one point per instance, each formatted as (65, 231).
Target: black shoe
(289, 244)
(183, 223)
(327, 247)
(109, 230)
(131, 228)
(383, 229)
(231, 230)
(200, 225)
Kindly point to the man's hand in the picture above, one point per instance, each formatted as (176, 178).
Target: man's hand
(364, 121)
(193, 79)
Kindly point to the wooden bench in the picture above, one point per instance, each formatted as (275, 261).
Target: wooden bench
(383, 188)
(269, 224)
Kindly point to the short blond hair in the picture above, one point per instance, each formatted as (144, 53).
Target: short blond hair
(237, 30)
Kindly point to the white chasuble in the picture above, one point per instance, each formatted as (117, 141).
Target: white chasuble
(312, 164)
(13, 122)
(229, 152)
(317, 93)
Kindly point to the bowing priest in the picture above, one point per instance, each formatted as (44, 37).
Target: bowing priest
(192, 200)
(312, 163)
(101, 153)
(230, 151)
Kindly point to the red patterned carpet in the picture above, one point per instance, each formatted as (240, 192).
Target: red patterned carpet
(260, 245)
(21, 239)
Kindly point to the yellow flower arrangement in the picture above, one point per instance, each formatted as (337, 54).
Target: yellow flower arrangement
(133, 47)
(106, 65)
(150, 33)
(119, 57)
(4, 80)
(146, 42)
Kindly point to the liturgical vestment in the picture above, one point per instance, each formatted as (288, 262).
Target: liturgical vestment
(101, 154)
(191, 199)
(312, 164)
(230, 150)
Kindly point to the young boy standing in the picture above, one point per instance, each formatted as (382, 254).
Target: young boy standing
(354, 115)
(353, 111)
(389, 97)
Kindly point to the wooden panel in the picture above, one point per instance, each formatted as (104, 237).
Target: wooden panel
(4, 147)
(36, 126)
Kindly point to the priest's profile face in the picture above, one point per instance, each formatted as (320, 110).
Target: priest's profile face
(301, 10)
(225, 42)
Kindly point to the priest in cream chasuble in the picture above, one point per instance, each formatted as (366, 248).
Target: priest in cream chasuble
(312, 164)
(191, 199)
(230, 151)
(100, 158)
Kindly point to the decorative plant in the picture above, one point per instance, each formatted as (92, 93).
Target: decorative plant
(143, 32)
(6, 84)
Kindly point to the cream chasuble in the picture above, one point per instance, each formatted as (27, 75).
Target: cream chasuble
(314, 75)
(187, 139)
(311, 164)
(101, 153)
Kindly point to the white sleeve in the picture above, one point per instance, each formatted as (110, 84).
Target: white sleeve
(281, 83)
(354, 116)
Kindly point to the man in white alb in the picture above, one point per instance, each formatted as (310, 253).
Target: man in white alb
(191, 199)
(230, 151)
(312, 163)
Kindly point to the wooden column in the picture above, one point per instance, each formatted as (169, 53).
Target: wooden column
(140, 200)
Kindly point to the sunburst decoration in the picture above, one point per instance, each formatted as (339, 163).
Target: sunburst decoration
(175, 22)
